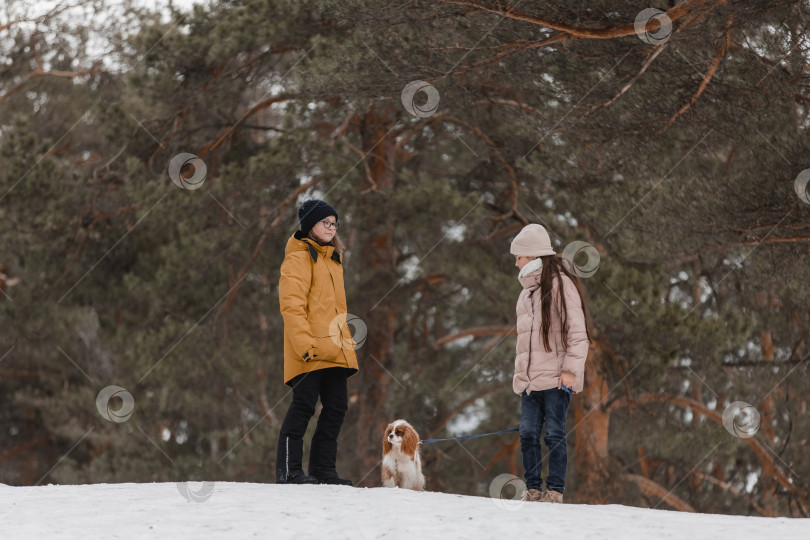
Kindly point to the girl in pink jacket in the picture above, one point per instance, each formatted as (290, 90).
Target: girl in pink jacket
(552, 345)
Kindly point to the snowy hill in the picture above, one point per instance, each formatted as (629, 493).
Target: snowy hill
(240, 511)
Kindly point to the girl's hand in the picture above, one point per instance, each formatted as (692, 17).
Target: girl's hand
(568, 379)
(310, 354)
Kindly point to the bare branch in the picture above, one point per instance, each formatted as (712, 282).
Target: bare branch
(658, 50)
(651, 488)
(478, 331)
(674, 14)
(213, 145)
(769, 466)
(712, 69)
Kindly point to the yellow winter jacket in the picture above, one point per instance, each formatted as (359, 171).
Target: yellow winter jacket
(313, 305)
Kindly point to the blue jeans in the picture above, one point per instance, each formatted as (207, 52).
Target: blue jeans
(549, 407)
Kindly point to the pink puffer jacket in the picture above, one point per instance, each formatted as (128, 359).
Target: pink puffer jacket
(536, 369)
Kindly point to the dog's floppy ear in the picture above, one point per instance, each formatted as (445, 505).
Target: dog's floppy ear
(410, 443)
(386, 442)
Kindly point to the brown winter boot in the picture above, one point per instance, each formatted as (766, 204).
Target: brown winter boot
(532, 495)
(552, 497)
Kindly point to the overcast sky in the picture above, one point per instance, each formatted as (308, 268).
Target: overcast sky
(84, 12)
(39, 7)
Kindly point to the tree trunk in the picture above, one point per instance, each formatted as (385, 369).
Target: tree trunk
(592, 423)
(768, 485)
(377, 312)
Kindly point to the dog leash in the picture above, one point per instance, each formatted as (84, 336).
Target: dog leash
(428, 441)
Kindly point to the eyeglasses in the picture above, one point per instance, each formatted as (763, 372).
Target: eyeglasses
(330, 224)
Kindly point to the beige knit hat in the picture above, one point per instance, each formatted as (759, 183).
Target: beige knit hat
(532, 241)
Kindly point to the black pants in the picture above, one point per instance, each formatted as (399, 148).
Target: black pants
(330, 385)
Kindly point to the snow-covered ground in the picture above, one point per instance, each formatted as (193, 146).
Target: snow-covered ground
(240, 511)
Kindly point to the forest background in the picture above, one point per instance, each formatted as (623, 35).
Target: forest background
(151, 164)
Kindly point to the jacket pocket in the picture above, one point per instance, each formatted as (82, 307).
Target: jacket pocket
(328, 345)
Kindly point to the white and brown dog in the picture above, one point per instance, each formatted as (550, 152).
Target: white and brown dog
(401, 464)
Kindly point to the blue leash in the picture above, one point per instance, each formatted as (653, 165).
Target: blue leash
(427, 441)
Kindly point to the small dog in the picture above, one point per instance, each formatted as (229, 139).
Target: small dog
(401, 464)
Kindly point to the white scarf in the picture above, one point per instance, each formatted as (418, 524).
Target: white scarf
(531, 266)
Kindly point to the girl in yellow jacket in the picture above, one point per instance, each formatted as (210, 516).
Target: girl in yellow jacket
(318, 348)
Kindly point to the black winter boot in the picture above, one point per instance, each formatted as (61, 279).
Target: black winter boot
(322, 458)
(289, 456)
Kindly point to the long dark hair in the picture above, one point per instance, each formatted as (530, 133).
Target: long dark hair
(553, 268)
